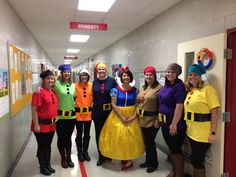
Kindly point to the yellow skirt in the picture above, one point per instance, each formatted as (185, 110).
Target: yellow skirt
(121, 141)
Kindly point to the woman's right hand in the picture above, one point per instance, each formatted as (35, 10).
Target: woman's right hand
(38, 90)
(36, 128)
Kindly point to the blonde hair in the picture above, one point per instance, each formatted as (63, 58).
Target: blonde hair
(60, 78)
(189, 86)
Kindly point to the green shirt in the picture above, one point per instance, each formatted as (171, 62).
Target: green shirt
(65, 93)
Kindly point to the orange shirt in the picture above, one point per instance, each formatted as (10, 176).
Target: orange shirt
(84, 99)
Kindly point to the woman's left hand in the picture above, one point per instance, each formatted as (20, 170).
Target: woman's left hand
(173, 129)
(212, 138)
(132, 118)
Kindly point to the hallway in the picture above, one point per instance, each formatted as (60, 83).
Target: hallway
(28, 164)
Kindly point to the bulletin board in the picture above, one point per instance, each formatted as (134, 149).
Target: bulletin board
(20, 78)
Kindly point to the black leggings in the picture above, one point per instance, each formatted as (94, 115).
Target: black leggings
(83, 127)
(44, 141)
(199, 150)
(64, 129)
(175, 142)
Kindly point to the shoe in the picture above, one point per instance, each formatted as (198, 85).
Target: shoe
(126, 167)
(143, 165)
(64, 164)
(49, 168)
(86, 156)
(151, 169)
(80, 157)
(70, 164)
(123, 161)
(100, 161)
(45, 171)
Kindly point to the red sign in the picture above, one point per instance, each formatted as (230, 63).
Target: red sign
(88, 26)
(70, 57)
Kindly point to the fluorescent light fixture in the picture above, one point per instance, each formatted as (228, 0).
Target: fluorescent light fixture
(66, 60)
(73, 50)
(79, 38)
(95, 5)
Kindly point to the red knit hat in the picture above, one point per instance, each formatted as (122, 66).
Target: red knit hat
(150, 69)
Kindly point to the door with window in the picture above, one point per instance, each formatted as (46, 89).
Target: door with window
(216, 76)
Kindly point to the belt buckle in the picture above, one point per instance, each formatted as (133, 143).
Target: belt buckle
(54, 120)
(162, 117)
(106, 106)
(141, 112)
(84, 110)
(187, 117)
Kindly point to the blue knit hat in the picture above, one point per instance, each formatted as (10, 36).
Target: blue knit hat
(198, 69)
(64, 67)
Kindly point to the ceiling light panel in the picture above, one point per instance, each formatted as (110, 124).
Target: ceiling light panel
(79, 38)
(95, 5)
(73, 50)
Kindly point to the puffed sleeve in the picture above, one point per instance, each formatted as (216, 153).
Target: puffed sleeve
(37, 99)
(113, 92)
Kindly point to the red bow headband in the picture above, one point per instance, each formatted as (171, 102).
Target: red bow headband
(123, 69)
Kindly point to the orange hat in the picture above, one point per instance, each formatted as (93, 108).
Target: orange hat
(101, 65)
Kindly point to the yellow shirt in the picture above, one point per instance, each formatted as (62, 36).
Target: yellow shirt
(200, 101)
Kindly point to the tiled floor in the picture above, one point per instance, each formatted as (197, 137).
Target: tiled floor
(28, 164)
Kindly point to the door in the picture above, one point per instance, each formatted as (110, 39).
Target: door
(216, 76)
(230, 141)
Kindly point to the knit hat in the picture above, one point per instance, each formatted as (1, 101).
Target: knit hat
(64, 67)
(150, 69)
(175, 67)
(45, 74)
(198, 69)
(101, 65)
(83, 70)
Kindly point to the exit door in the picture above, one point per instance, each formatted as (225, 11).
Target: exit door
(230, 128)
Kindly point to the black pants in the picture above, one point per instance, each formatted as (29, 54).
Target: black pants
(99, 119)
(149, 135)
(175, 142)
(83, 127)
(64, 129)
(44, 141)
(199, 150)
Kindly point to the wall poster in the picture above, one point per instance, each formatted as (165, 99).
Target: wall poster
(4, 91)
(20, 78)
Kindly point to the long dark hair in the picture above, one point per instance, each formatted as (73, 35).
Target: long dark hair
(154, 85)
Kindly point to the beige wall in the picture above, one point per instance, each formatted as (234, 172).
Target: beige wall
(15, 130)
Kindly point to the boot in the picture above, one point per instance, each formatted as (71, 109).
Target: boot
(48, 159)
(85, 148)
(178, 161)
(199, 172)
(79, 149)
(68, 158)
(42, 163)
(101, 159)
(64, 163)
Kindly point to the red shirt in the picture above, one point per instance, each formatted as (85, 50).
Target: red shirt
(47, 103)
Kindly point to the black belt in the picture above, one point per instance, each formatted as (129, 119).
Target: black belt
(66, 113)
(104, 107)
(47, 121)
(83, 109)
(143, 113)
(197, 117)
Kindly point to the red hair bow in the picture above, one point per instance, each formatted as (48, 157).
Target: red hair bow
(123, 69)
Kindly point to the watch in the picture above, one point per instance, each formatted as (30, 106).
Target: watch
(213, 133)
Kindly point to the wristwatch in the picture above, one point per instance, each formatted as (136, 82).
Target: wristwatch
(213, 133)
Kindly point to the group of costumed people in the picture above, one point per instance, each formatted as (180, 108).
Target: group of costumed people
(126, 119)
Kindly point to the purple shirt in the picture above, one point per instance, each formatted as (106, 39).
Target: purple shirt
(169, 96)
